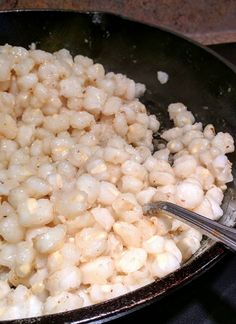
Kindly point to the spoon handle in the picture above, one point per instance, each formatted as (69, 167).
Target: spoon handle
(214, 230)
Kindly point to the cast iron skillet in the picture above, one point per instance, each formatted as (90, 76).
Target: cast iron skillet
(198, 77)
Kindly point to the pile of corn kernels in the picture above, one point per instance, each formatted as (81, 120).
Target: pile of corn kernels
(76, 167)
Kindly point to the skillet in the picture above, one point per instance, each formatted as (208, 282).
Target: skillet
(198, 77)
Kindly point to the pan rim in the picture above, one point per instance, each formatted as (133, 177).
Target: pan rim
(124, 17)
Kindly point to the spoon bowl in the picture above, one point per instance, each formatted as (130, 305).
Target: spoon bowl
(216, 231)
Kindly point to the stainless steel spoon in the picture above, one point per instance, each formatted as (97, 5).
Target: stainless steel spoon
(214, 230)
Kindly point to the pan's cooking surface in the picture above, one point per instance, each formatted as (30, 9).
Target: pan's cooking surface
(197, 78)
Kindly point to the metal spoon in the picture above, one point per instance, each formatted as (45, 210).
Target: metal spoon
(214, 230)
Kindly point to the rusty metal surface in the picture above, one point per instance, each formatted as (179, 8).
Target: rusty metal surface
(209, 22)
